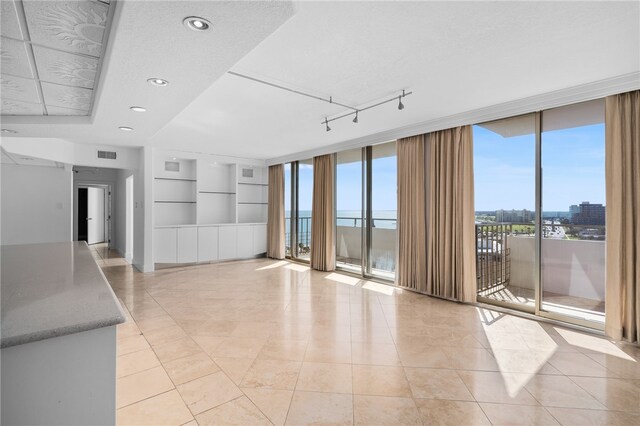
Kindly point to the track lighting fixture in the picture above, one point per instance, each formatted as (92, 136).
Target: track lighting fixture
(329, 100)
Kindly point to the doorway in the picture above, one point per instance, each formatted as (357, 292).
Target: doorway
(93, 215)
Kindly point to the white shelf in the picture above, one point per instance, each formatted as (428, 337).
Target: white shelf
(207, 211)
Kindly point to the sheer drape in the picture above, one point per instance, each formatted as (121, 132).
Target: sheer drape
(275, 214)
(450, 234)
(622, 140)
(323, 249)
(411, 271)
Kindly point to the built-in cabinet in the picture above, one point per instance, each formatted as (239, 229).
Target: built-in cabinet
(206, 210)
(190, 244)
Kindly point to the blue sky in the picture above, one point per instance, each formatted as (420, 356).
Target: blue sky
(572, 163)
(504, 169)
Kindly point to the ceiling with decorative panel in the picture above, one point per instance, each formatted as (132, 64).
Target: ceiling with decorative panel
(51, 54)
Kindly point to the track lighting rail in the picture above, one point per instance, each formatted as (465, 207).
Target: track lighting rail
(398, 98)
(298, 92)
(326, 121)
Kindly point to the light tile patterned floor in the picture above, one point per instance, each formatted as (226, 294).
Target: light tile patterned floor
(271, 342)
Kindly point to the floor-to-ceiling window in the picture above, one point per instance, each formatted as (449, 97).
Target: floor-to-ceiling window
(540, 214)
(349, 213)
(366, 207)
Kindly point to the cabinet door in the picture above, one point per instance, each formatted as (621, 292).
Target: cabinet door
(245, 241)
(207, 244)
(164, 245)
(187, 245)
(227, 242)
(259, 239)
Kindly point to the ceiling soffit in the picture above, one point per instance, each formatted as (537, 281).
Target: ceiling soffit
(51, 54)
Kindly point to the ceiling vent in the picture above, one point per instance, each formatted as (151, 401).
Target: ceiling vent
(109, 155)
(172, 166)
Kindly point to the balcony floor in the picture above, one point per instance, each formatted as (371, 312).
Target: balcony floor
(589, 309)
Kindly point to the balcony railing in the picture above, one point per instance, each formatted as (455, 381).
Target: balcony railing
(348, 246)
(492, 255)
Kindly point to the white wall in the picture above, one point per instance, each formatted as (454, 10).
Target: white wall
(36, 204)
(67, 152)
(569, 267)
(120, 212)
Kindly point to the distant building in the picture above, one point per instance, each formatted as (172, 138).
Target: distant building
(514, 216)
(588, 214)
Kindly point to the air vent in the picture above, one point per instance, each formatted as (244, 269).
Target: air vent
(171, 166)
(109, 155)
(248, 173)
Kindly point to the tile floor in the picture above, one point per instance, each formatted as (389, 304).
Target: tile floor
(271, 342)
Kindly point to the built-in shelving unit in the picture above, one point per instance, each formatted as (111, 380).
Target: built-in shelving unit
(208, 210)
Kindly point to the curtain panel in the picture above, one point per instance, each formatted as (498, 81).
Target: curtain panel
(411, 271)
(323, 249)
(622, 151)
(450, 233)
(275, 213)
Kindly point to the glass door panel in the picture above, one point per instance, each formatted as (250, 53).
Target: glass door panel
(573, 218)
(303, 209)
(383, 214)
(287, 209)
(505, 199)
(349, 210)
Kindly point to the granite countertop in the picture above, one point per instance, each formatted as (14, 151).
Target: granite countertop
(51, 290)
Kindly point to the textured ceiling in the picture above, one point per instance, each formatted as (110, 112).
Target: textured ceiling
(147, 39)
(51, 54)
(454, 56)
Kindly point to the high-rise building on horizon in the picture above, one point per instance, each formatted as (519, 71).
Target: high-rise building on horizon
(514, 216)
(588, 214)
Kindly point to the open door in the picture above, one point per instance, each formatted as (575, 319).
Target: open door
(95, 215)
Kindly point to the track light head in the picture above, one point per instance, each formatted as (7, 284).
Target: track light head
(326, 123)
(400, 104)
(355, 120)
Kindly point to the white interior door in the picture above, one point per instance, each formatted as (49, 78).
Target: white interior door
(95, 215)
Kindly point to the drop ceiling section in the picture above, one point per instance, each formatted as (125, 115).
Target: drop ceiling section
(51, 55)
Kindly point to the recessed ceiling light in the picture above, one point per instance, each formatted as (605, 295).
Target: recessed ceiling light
(138, 109)
(196, 23)
(158, 82)
(8, 131)
(125, 128)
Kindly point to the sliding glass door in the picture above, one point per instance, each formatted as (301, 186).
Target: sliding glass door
(287, 209)
(540, 214)
(303, 200)
(573, 222)
(382, 209)
(349, 212)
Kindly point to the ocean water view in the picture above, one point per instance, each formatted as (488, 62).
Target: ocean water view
(384, 219)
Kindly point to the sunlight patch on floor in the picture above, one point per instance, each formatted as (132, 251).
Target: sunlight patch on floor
(273, 265)
(296, 267)
(379, 288)
(593, 343)
(343, 279)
